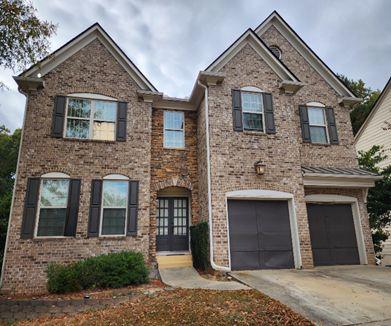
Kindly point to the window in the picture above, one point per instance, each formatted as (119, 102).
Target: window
(318, 125)
(276, 51)
(174, 129)
(53, 202)
(252, 108)
(114, 207)
(90, 119)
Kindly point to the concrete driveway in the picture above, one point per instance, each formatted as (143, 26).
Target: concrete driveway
(343, 295)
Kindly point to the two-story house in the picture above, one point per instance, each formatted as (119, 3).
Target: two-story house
(262, 150)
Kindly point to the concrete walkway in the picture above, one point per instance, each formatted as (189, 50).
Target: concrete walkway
(338, 295)
(188, 278)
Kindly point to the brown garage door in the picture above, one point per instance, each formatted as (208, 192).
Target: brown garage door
(260, 234)
(333, 237)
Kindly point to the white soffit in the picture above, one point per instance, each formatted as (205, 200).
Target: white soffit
(251, 39)
(277, 21)
(79, 42)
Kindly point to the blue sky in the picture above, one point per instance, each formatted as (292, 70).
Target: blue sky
(172, 40)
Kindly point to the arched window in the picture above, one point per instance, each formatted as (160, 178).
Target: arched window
(90, 116)
(115, 190)
(252, 108)
(317, 122)
(52, 204)
(276, 51)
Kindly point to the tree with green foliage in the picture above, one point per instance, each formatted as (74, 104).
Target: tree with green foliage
(379, 203)
(9, 149)
(23, 36)
(369, 96)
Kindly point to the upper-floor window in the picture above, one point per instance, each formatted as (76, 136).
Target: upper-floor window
(318, 125)
(174, 129)
(276, 51)
(90, 119)
(252, 110)
(114, 206)
(53, 203)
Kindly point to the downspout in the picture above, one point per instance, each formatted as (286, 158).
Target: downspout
(213, 264)
(14, 190)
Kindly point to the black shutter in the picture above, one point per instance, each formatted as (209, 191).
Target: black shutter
(73, 207)
(58, 116)
(333, 134)
(269, 114)
(121, 121)
(30, 208)
(132, 208)
(237, 110)
(305, 124)
(94, 219)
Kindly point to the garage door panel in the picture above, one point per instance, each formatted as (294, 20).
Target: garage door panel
(259, 234)
(276, 259)
(244, 260)
(345, 256)
(275, 241)
(333, 235)
(244, 242)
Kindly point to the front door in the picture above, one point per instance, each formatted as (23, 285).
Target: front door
(172, 224)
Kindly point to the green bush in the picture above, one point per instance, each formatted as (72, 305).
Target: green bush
(200, 245)
(106, 271)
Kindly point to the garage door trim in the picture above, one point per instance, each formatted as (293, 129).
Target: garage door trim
(340, 199)
(260, 194)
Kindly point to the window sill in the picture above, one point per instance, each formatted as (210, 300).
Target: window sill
(254, 132)
(45, 238)
(318, 144)
(112, 237)
(176, 148)
(90, 140)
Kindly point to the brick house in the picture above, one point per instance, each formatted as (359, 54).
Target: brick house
(262, 150)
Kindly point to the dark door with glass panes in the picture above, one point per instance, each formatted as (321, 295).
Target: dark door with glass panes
(172, 224)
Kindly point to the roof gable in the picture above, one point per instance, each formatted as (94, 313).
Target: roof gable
(378, 104)
(80, 41)
(250, 38)
(308, 54)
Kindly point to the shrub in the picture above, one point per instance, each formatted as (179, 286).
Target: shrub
(200, 245)
(105, 271)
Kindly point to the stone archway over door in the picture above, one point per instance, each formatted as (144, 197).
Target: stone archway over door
(157, 206)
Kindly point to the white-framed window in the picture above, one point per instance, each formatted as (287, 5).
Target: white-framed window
(252, 110)
(88, 118)
(174, 129)
(52, 205)
(318, 124)
(114, 206)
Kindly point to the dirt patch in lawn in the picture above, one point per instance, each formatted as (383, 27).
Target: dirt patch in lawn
(187, 307)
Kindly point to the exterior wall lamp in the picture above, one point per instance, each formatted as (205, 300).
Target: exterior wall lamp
(260, 167)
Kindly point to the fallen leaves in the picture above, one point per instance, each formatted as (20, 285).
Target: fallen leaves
(187, 307)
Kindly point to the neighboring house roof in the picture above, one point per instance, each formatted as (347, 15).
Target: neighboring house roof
(93, 32)
(252, 39)
(374, 109)
(308, 170)
(310, 56)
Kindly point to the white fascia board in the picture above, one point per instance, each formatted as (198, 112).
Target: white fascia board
(80, 42)
(305, 52)
(338, 182)
(259, 48)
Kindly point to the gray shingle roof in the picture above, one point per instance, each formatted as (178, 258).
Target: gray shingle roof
(336, 171)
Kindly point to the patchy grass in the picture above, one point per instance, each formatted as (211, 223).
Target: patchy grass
(187, 307)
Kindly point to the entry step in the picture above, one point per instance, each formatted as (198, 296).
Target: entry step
(173, 261)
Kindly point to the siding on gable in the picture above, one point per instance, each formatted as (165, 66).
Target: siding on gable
(374, 134)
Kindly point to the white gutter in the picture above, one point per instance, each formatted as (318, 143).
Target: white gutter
(13, 192)
(213, 264)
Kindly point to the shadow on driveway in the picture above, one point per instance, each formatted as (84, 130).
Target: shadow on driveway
(338, 295)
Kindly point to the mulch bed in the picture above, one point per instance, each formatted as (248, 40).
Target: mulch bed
(187, 307)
